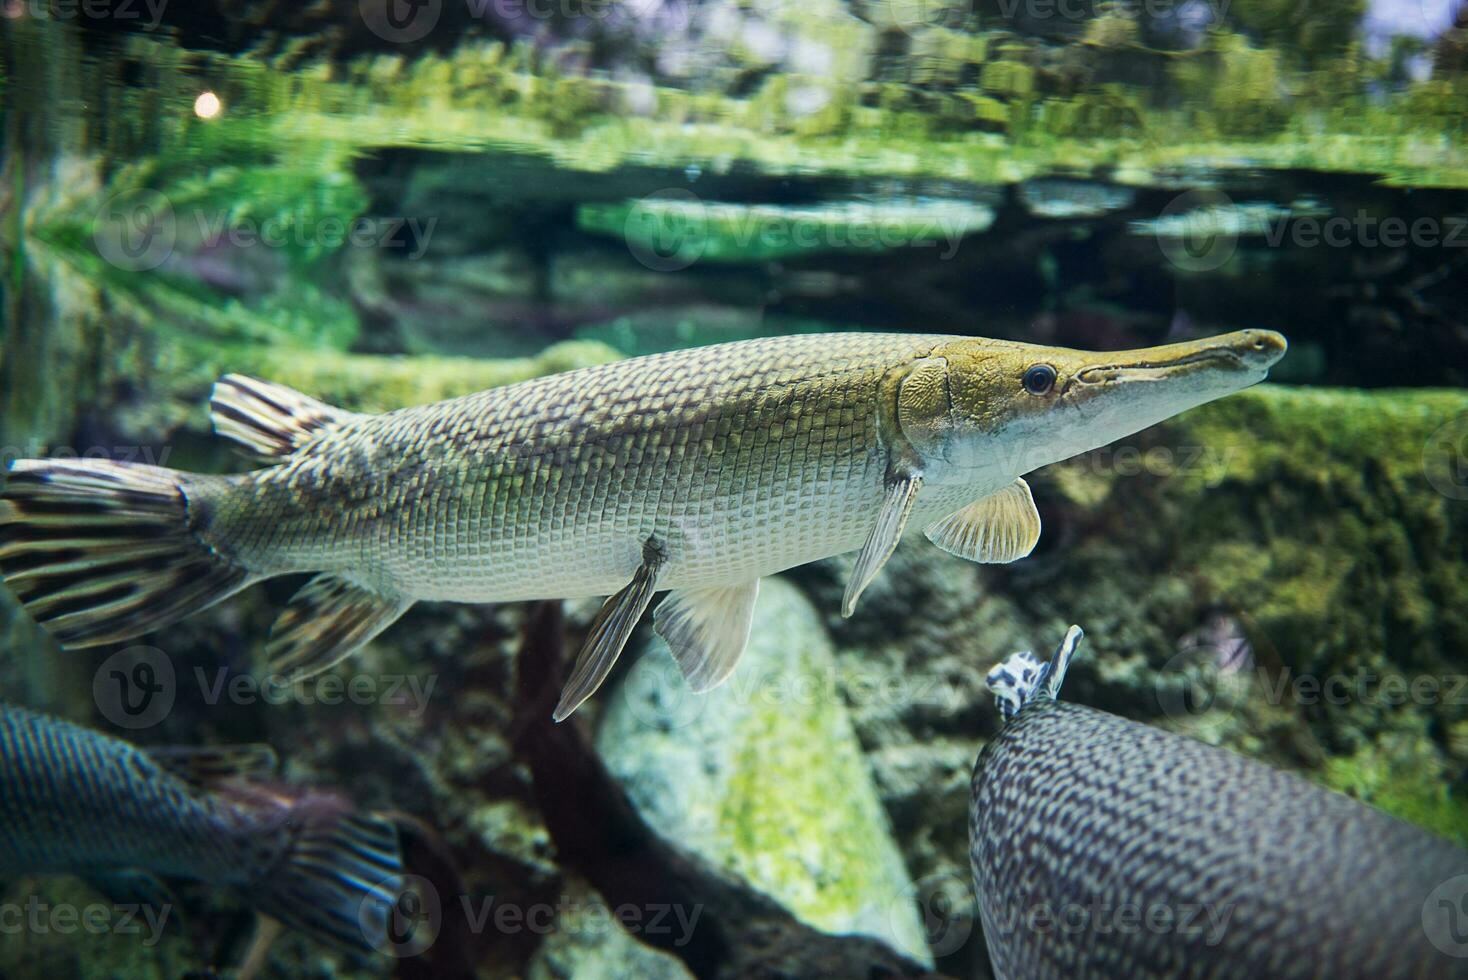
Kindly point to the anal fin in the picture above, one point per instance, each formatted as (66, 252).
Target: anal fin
(327, 621)
(609, 633)
(891, 522)
(707, 630)
(999, 528)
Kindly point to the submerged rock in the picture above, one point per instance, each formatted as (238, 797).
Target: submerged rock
(765, 776)
(588, 944)
(676, 229)
(1272, 572)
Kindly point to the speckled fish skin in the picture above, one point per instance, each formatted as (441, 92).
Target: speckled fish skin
(695, 472)
(74, 800)
(740, 459)
(1077, 809)
(71, 799)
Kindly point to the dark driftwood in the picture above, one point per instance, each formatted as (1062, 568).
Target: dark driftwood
(599, 834)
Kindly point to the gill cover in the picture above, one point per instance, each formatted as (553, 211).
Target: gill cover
(924, 415)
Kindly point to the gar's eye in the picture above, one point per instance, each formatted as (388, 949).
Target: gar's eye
(1039, 379)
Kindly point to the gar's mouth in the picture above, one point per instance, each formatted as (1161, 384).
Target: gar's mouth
(1216, 356)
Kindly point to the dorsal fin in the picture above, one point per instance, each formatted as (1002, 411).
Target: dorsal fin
(1023, 677)
(267, 419)
(205, 766)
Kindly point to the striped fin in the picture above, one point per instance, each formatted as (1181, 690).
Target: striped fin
(340, 879)
(328, 620)
(99, 551)
(204, 766)
(1002, 527)
(1024, 677)
(707, 630)
(891, 522)
(268, 420)
(610, 632)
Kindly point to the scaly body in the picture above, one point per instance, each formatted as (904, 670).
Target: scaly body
(693, 473)
(72, 800)
(740, 460)
(1104, 848)
(76, 801)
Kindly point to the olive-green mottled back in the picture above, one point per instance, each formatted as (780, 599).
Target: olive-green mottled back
(740, 459)
(694, 473)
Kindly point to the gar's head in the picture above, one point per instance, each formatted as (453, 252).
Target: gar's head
(1017, 407)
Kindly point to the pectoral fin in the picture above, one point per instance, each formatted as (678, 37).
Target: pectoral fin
(1002, 527)
(328, 620)
(609, 633)
(880, 544)
(707, 630)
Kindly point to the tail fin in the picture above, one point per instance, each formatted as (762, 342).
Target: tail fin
(100, 551)
(341, 878)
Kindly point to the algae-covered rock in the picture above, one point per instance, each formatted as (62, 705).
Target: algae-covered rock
(677, 229)
(764, 775)
(588, 943)
(57, 926)
(1273, 572)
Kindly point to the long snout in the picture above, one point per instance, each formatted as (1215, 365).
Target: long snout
(1234, 359)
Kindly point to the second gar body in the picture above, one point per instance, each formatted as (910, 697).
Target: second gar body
(696, 471)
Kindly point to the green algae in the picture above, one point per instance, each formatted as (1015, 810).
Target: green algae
(682, 229)
(765, 776)
(1311, 517)
(1406, 778)
(295, 133)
